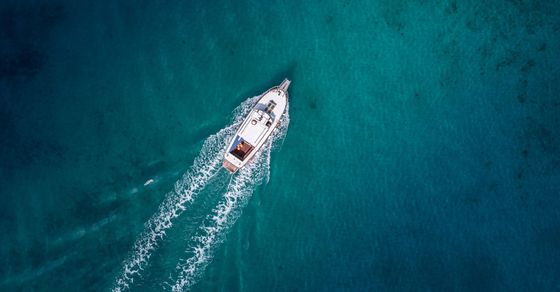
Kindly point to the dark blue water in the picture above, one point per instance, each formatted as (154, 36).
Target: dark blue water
(423, 149)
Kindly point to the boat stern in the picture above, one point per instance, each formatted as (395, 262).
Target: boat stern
(229, 166)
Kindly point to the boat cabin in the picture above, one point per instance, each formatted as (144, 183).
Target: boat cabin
(251, 133)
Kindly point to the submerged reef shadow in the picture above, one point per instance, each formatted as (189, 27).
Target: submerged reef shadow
(23, 30)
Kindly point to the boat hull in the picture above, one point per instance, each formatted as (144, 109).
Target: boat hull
(257, 127)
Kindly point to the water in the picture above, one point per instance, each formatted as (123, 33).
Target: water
(205, 167)
(423, 149)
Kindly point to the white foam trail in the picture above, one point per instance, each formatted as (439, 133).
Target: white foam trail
(239, 189)
(205, 166)
(226, 213)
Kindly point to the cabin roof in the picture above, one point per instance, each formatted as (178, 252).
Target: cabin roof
(254, 129)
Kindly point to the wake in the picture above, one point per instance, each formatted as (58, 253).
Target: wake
(204, 168)
(224, 215)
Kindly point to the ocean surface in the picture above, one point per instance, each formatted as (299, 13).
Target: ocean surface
(421, 150)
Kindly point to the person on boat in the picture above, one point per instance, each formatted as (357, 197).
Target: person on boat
(240, 145)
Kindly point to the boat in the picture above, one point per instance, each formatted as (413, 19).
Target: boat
(257, 127)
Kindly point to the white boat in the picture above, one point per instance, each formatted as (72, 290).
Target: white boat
(257, 127)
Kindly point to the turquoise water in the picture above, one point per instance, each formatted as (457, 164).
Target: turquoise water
(422, 152)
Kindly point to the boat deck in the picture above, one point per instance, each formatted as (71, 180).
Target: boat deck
(242, 150)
